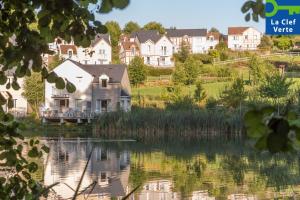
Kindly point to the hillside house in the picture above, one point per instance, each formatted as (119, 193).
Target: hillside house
(243, 38)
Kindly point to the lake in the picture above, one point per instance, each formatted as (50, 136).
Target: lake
(202, 170)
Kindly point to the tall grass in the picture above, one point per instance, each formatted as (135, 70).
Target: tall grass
(152, 123)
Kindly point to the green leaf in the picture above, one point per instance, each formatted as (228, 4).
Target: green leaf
(261, 143)
(70, 87)
(3, 78)
(120, 3)
(60, 83)
(26, 175)
(105, 6)
(32, 167)
(52, 77)
(257, 131)
(33, 153)
(45, 149)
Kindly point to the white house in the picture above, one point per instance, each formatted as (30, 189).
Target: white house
(20, 107)
(100, 51)
(195, 38)
(99, 88)
(128, 50)
(243, 38)
(156, 49)
(212, 40)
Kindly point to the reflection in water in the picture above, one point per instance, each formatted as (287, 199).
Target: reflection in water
(206, 170)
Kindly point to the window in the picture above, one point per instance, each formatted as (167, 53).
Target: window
(246, 37)
(235, 37)
(98, 104)
(86, 62)
(255, 37)
(78, 104)
(163, 60)
(132, 51)
(102, 51)
(15, 103)
(164, 50)
(70, 53)
(104, 83)
(148, 60)
(149, 48)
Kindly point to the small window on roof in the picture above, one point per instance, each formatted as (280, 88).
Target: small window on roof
(70, 53)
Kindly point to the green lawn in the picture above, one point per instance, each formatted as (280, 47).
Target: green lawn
(212, 90)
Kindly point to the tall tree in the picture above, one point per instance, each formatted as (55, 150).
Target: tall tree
(214, 30)
(266, 43)
(131, 27)
(275, 87)
(234, 96)
(183, 53)
(155, 26)
(34, 91)
(137, 71)
(115, 32)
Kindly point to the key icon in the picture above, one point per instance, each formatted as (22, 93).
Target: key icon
(292, 9)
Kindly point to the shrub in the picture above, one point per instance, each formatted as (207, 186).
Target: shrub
(151, 71)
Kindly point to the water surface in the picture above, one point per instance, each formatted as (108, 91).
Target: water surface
(203, 170)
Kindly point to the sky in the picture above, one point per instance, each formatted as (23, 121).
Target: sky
(184, 14)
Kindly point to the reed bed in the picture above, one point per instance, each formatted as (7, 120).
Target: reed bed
(152, 123)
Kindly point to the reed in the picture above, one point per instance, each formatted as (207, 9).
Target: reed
(153, 123)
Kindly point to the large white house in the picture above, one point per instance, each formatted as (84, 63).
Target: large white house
(20, 106)
(243, 38)
(99, 88)
(100, 51)
(198, 39)
(155, 49)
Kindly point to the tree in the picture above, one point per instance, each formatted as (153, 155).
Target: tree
(26, 28)
(222, 46)
(274, 87)
(266, 43)
(256, 67)
(187, 72)
(200, 93)
(115, 32)
(183, 53)
(137, 71)
(254, 9)
(131, 27)
(34, 91)
(283, 43)
(54, 62)
(155, 26)
(179, 74)
(192, 70)
(214, 30)
(234, 95)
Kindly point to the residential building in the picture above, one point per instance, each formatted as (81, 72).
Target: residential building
(99, 88)
(243, 38)
(20, 104)
(155, 49)
(100, 51)
(195, 38)
(128, 50)
(212, 40)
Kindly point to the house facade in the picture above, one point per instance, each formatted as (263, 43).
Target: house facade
(128, 50)
(100, 51)
(243, 38)
(99, 89)
(20, 104)
(195, 38)
(155, 49)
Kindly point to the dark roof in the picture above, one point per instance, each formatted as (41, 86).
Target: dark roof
(100, 37)
(188, 32)
(236, 30)
(114, 72)
(144, 36)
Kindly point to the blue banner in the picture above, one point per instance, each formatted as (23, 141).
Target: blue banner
(282, 17)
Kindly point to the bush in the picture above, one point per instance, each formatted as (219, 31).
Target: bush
(151, 71)
(204, 58)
